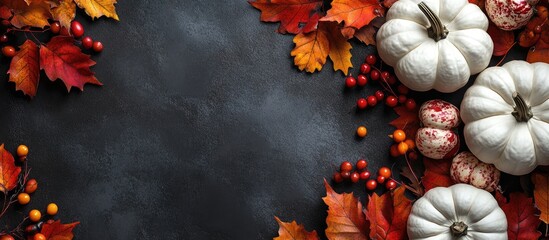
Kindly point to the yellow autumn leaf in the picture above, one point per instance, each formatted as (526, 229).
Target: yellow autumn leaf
(311, 50)
(98, 8)
(64, 12)
(340, 49)
(32, 14)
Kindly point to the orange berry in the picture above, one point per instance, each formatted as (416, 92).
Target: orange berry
(52, 209)
(6, 237)
(31, 186)
(23, 198)
(402, 148)
(394, 151)
(35, 215)
(411, 143)
(385, 172)
(361, 131)
(399, 135)
(22, 150)
(39, 236)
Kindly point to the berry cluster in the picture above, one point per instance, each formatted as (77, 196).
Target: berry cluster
(402, 145)
(76, 30)
(347, 173)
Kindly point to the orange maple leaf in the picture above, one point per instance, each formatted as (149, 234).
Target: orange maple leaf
(437, 173)
(354, 13)
(294, 231)
(290, 13)
(541, 195)
(346, 219)
(35, 14)
(388, 214)
(25, 68)
(9, 173)
(58, 231)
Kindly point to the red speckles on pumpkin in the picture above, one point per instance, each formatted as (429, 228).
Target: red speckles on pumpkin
(466, 168)
(439, 114)
(436, 139)
(509, 14)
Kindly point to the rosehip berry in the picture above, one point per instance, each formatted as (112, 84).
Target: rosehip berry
(411, 144)
(31, 186)
(361, 80)
(402, 148)
(346, 166)
(380, 179)
(371, 184)
(379, 95)
(402, 99)
(399, 135)
(365, 175)
(374, 75)
(350, 82)
(403, 89)
(355, 177)
(365, 68)
(361, 131)
(371, 59)
(345, 175)
(4, 38)
(410, 104)
(87, 42)
(52, 209)
(23, 198)
(77, 29)
(35, 215)
(385, 172)
(394, 151)
(391, 80)
(9, 51)
(385, 75)
(55, 28)
(372, 101)
(391, 101)
(22, 150)
(391, 184)
(97, 46)
(361, 103)
(361, 164)
(338, 178)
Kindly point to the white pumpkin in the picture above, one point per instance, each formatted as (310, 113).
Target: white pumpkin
(437, 52)
(510, 15)
(460, 211)
(506, 116)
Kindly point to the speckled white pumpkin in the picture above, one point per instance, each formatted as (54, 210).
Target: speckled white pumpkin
(466, 168)
(510, 14)
(436, 139)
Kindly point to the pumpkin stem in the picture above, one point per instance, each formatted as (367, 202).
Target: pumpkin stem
(522, 112)
(459, 229)
(437, 30)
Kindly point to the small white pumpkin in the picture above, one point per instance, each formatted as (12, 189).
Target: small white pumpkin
(506, 116)
(466, 168)
(460, 211)
(435, 44)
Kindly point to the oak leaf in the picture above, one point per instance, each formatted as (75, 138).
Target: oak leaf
(98, 8)
(60, 58)
(9, 173)
(58, 231)
(437, 173)
(408, 120)
(346, 219)
(35, 14)
(25, 68)
(64, 12)
(294, 231)
(503, 40)
(522, 220)
(388, 214)
(290, 13)
(541, 195)
(354, 13)
(340, 49)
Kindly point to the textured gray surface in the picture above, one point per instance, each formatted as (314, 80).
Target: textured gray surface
(203, 130)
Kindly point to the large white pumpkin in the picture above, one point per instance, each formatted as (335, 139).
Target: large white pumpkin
(438, 52)
(460, 211)
(506, 116)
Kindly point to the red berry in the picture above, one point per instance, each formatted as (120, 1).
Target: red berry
(355, 177)
(55, 27)
(537, 29)
(97, 46)
(365, 175)
(391, 80)
(402, 99)
(412, 156)
(337, 177)
(346, 166)
(371, 59)
(361, 80)
(379, 95)
(4, 38)
(385, 75)
(361, 164)
(372, 101)
(394, 150)
(350, 82)
(77, 29)
(365, 68)
(345, 175)
(385, 172)
(361, 103)
(391, 184)
(403, 89)
(380, 179)
(374, 74)
(9, 51)
(87, 42)
(410, 104)
(371, 184)
(391, 101)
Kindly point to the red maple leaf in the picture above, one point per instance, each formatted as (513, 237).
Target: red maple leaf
(388, 214)
(346, 219)
(25, 68)
(9, 173)
(354, 13)
(503, 40)
(437, 173)
(290, 13)
(408, 120)
(60, 58)
(57, 231)
(522, 216)
(293, 231)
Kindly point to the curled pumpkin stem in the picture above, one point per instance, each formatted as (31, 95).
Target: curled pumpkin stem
(522, 112)
(459, 229)
(437, 30)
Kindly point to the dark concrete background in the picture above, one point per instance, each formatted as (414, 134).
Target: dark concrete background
(204, 129)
